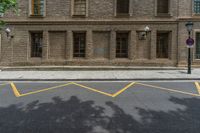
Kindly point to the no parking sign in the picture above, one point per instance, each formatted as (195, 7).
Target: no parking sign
(190, 42)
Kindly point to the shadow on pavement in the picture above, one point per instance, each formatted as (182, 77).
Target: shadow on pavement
(76, 116)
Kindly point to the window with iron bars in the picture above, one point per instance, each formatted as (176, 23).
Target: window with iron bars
(162, 47)
(122, 7)
(79, 44)
(37, 7)
(162, 7)
(36, 44)
(80, 7)
(122, 45)
(197, 6)
(197, 45)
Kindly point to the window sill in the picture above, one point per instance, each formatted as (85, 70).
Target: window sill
(79, 58)
(196, 14)
(79, 16)
(35, 57)
(123, 15)
(36, 16)
(163, 15)
(163, 59)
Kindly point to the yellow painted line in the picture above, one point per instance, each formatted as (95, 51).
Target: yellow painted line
(47, 89)
(92, 89)
(170, 90)
(122, 90)
(14, 88)
(198, 87)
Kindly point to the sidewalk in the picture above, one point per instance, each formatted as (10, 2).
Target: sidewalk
(85, 75)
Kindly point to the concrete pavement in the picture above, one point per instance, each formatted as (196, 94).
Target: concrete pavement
(87, 75)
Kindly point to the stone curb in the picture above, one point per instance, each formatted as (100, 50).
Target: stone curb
(86, 68)
(137, 79)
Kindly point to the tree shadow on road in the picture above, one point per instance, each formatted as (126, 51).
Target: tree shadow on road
(76, 116)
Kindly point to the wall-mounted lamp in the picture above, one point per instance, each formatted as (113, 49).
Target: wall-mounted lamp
(8, 32)
(143, 34)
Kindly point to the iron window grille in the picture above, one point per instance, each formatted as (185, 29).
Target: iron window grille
(122, 45)
(162, 48)
(197, 6)
(162, 7)
(80, 7)
(197, 45)
(36, 44)
(122, 7)
(37, 7)
(79, 44)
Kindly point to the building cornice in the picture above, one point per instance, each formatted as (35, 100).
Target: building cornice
(189, 19)
(88, 22)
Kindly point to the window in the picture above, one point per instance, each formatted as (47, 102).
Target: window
(197, 6)
(37, 7)
(162, 48)
(197, 45)
(79, 7)
(162, 7)
(122, 7)
(122, 45)
(36, 44)
(79, 44)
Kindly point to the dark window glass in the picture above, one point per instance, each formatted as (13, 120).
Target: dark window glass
(36, 44)
(197, 6)
(37, 7)
(122, 45)
(122, 7)
(162, 6)
(79, 44)
(162, 49)
(197, 45)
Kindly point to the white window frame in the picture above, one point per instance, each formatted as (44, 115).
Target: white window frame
(130, 8)
(30, 9)
(169, 12)
(72, 8)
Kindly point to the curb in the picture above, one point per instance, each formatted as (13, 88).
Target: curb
(85, 68)
(154, 79)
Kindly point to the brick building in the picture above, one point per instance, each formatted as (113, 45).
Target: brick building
(101, 32)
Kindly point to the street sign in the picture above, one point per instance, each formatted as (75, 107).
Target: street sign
(190, 42)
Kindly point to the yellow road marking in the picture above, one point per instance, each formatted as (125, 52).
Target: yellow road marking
(170, 90)
(47, 89)
(17, 93)
(122, 90)
(91, 89)
(198, 87)
(14, 88)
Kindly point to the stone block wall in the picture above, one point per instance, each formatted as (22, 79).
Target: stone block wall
(100, 25)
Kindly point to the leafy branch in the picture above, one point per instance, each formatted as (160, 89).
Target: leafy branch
(6, 5)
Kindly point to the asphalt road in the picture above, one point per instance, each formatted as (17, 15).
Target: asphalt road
(100, 107)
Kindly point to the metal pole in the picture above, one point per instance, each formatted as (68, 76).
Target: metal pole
(189, 60)
(189, 57)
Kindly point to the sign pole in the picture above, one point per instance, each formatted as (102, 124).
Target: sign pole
(189, 60)
(190, 43)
